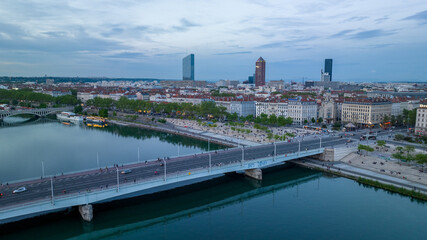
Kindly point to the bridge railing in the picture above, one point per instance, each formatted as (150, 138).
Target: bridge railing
(158, 180)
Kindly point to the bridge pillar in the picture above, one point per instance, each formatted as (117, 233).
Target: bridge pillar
(86, 211)
(254, 173)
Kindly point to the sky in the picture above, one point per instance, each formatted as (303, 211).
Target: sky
(368, 40)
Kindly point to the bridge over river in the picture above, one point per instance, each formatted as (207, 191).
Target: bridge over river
(56, 193)
(34, 111)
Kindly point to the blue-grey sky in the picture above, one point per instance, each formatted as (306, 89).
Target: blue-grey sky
(369, 40)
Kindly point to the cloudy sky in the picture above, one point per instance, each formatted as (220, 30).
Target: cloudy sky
(369, 40)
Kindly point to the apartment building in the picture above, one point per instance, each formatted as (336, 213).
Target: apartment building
(270, 108)
(365, 111)
(421, 121)
(302, 109)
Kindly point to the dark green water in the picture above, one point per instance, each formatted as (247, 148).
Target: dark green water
(290, 203)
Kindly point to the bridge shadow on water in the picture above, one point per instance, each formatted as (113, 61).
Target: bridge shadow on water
(125, 216)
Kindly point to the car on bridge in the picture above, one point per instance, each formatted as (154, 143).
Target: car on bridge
(126, 171)
(21, 189)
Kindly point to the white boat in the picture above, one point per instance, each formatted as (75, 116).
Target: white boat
(69, 117)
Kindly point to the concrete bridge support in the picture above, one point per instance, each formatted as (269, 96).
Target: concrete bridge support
(254, 173)
(86, 211)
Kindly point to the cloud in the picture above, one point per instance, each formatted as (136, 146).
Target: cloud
(370, 34)
(382, 19)
(234, 53)
(421, 17)
(271, 45)
(355, 19)
(342, 33)
(186, 23)
(132, 55)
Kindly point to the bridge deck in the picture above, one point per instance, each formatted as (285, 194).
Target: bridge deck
(102, 185)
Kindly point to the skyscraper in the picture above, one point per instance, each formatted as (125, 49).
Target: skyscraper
(188, 67)
(260, 72)
(328, 68)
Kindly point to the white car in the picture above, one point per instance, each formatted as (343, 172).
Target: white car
(21, 189)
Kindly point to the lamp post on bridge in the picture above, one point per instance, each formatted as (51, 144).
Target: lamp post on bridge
(210, 162)
(209, 144)
(138, 154)
(164, 162)
(275, 152)
(118, 182)
(42, 169)
(97, 159)
(51, 190)
(243, 155)
(320, 141)
(299, 147)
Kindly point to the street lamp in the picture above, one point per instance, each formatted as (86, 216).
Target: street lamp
(118, 183)
(97, 159)
(42, 169)
(275, 152)
(138, 154)
(320, 141)
(210, 162)
(299, 147)
(209, 144)
(164, 163)
(51, 188)
(243, 154)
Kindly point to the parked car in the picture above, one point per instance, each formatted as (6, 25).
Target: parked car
(21, 189)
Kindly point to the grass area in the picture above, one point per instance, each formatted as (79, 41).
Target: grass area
(392, 188)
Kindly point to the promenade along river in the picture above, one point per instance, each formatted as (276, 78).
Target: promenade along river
(289, 203)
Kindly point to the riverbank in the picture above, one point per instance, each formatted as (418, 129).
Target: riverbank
(173, 130)
(393, 184)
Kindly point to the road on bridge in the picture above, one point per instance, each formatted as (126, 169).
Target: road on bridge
(107, 177)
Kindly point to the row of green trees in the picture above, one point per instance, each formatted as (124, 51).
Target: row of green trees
(404, 154)
(407, 118)
(185, 109)
(27, 95)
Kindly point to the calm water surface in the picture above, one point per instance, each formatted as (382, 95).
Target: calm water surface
(64, 148)
(290, 203)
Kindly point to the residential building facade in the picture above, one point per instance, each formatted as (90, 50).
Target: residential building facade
(302, 110)
(421, 120)
(366, 111)
(270, 108)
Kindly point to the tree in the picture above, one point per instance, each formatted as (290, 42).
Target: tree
(305, 121)
(381, 143)
(386, 119)
(103, 112)
(272, 119)
(313, 120)
(78, 109)
(409, 149)
(399, 149)
(320, 120)
(399, 137)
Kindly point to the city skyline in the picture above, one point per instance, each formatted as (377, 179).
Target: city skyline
(369, 42)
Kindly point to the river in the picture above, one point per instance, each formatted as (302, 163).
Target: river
(289, 203)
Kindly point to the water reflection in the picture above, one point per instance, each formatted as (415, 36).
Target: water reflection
(132, 215)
